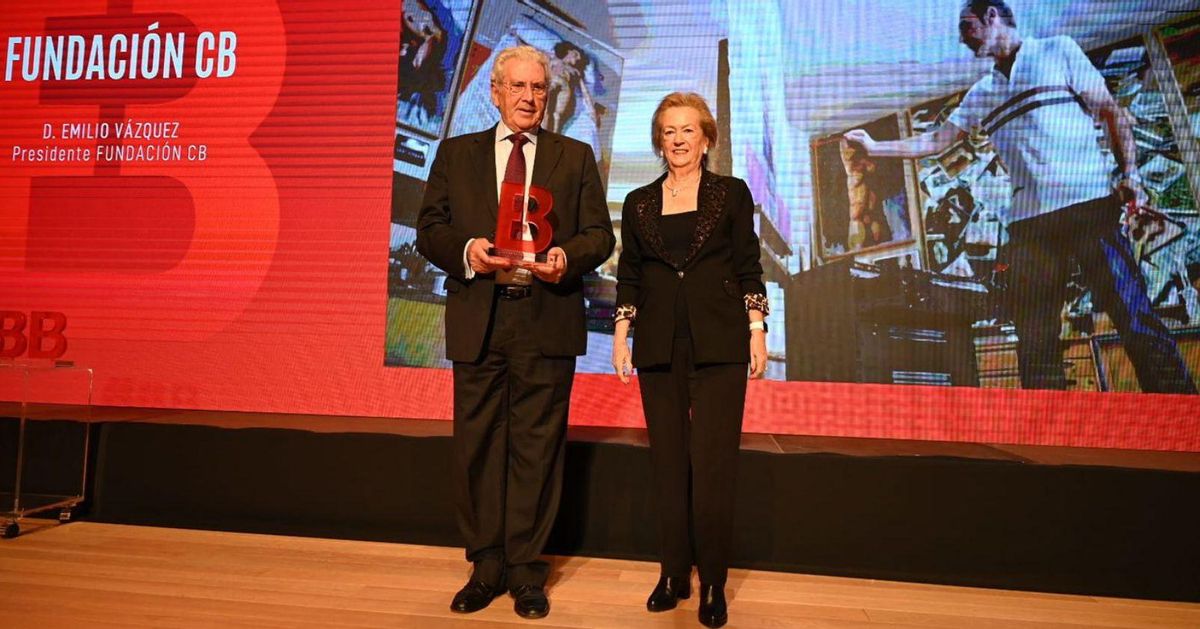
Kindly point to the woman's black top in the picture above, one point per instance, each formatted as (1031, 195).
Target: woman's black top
(677, 231)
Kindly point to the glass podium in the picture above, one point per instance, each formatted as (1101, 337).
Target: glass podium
(45, 429)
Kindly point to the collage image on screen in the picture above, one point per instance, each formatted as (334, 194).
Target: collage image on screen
(964, 264)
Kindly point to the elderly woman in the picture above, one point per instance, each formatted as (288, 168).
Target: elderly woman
(689, 280)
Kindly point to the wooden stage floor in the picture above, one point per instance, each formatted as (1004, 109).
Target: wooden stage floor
(102, 575)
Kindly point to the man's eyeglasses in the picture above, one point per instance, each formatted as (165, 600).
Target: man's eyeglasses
(518, 87)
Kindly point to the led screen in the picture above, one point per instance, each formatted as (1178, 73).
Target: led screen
(215, 206)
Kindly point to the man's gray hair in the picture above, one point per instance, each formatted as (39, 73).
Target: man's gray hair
(526, 52)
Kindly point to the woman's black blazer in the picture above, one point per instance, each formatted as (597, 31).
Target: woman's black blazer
(720, 269)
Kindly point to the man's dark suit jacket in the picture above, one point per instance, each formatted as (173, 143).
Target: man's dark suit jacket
(460, 203)
(720, 269)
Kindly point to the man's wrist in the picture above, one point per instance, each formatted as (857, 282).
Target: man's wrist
(1131, 176)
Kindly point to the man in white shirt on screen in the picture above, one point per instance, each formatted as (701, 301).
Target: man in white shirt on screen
(1038, 106)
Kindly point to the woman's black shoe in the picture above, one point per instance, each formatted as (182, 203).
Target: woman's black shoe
(668, 591)
(712, 606)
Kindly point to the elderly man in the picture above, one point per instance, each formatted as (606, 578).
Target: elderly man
(1038, 106)
(513, 329)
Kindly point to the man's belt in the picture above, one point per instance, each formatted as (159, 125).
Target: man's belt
(513, 291)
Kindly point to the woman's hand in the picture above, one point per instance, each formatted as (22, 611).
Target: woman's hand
(758, 354)
(621, 361)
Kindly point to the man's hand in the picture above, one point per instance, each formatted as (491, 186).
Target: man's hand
(481, 262)
(859, 137)
(758, 354)
(1129, 188)
(553, 269)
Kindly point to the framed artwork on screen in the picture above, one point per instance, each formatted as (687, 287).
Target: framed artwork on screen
(585, 75)
(964, 195)
(862, 203)
(1130, 77)
(1166, 240)
(1181, 41)
(904, 257)
(433, 38)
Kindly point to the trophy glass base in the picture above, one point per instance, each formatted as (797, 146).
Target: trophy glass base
(514, 254)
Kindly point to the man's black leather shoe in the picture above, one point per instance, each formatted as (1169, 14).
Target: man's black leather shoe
(474, 596)
(713, 612)
(668, 591)
(530, 601)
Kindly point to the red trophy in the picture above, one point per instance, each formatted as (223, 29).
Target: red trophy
(513, 215)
